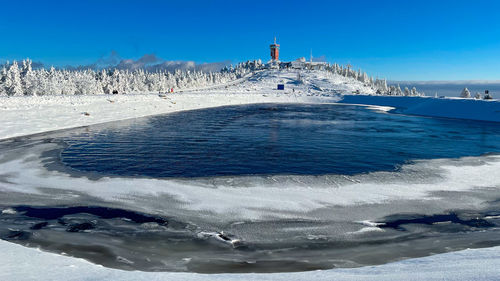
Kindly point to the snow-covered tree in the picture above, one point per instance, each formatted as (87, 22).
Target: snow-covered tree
(465, 93)
(399, 92)
(414, 92)
(13, 83)
(29, 80)
(407, 92)
(3, 78)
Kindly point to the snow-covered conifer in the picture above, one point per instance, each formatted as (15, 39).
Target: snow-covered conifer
(28, 78)
(3, 77)
(414, 92)
(407, 92)
(398, 91)
(14, 85)
(465, 93)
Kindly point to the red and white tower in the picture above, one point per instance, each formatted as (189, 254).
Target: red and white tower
(275, 51)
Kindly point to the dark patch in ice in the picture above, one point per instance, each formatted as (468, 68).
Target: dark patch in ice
(77, 227)
(17, 235)
(48, 213)
(398, 222)
(39, 225)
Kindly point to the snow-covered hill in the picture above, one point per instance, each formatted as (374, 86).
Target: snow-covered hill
(298, 82)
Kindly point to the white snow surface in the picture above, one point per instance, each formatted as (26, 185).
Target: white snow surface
(19, 263)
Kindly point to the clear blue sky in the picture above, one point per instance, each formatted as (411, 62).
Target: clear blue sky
(400, 40)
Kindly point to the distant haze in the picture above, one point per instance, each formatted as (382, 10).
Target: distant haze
(149, 62)
(451, 88)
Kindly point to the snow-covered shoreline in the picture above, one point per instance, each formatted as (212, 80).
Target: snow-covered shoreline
(26, 115)
(29, 115)
(21, 116)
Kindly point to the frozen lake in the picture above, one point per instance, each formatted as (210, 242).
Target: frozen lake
(255, 188)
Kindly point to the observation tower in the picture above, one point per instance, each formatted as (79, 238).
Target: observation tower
(275, 51)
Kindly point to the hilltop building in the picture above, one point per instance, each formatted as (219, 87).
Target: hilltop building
(274, 63)
(299, 63)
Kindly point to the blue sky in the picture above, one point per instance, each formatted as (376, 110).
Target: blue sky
(399, 40)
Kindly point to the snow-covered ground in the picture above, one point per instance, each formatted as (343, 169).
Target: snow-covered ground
(28, 115)
(18, 263)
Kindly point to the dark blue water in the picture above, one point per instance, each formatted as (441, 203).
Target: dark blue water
(273, 139)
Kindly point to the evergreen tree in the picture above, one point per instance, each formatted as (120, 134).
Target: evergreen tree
(465, 93)
(14, 85)
(407, 92)
(3, 78)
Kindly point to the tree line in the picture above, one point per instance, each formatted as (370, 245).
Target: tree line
(22, 80)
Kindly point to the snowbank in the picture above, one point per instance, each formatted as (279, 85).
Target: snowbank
(21, 263)
(482, 110)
